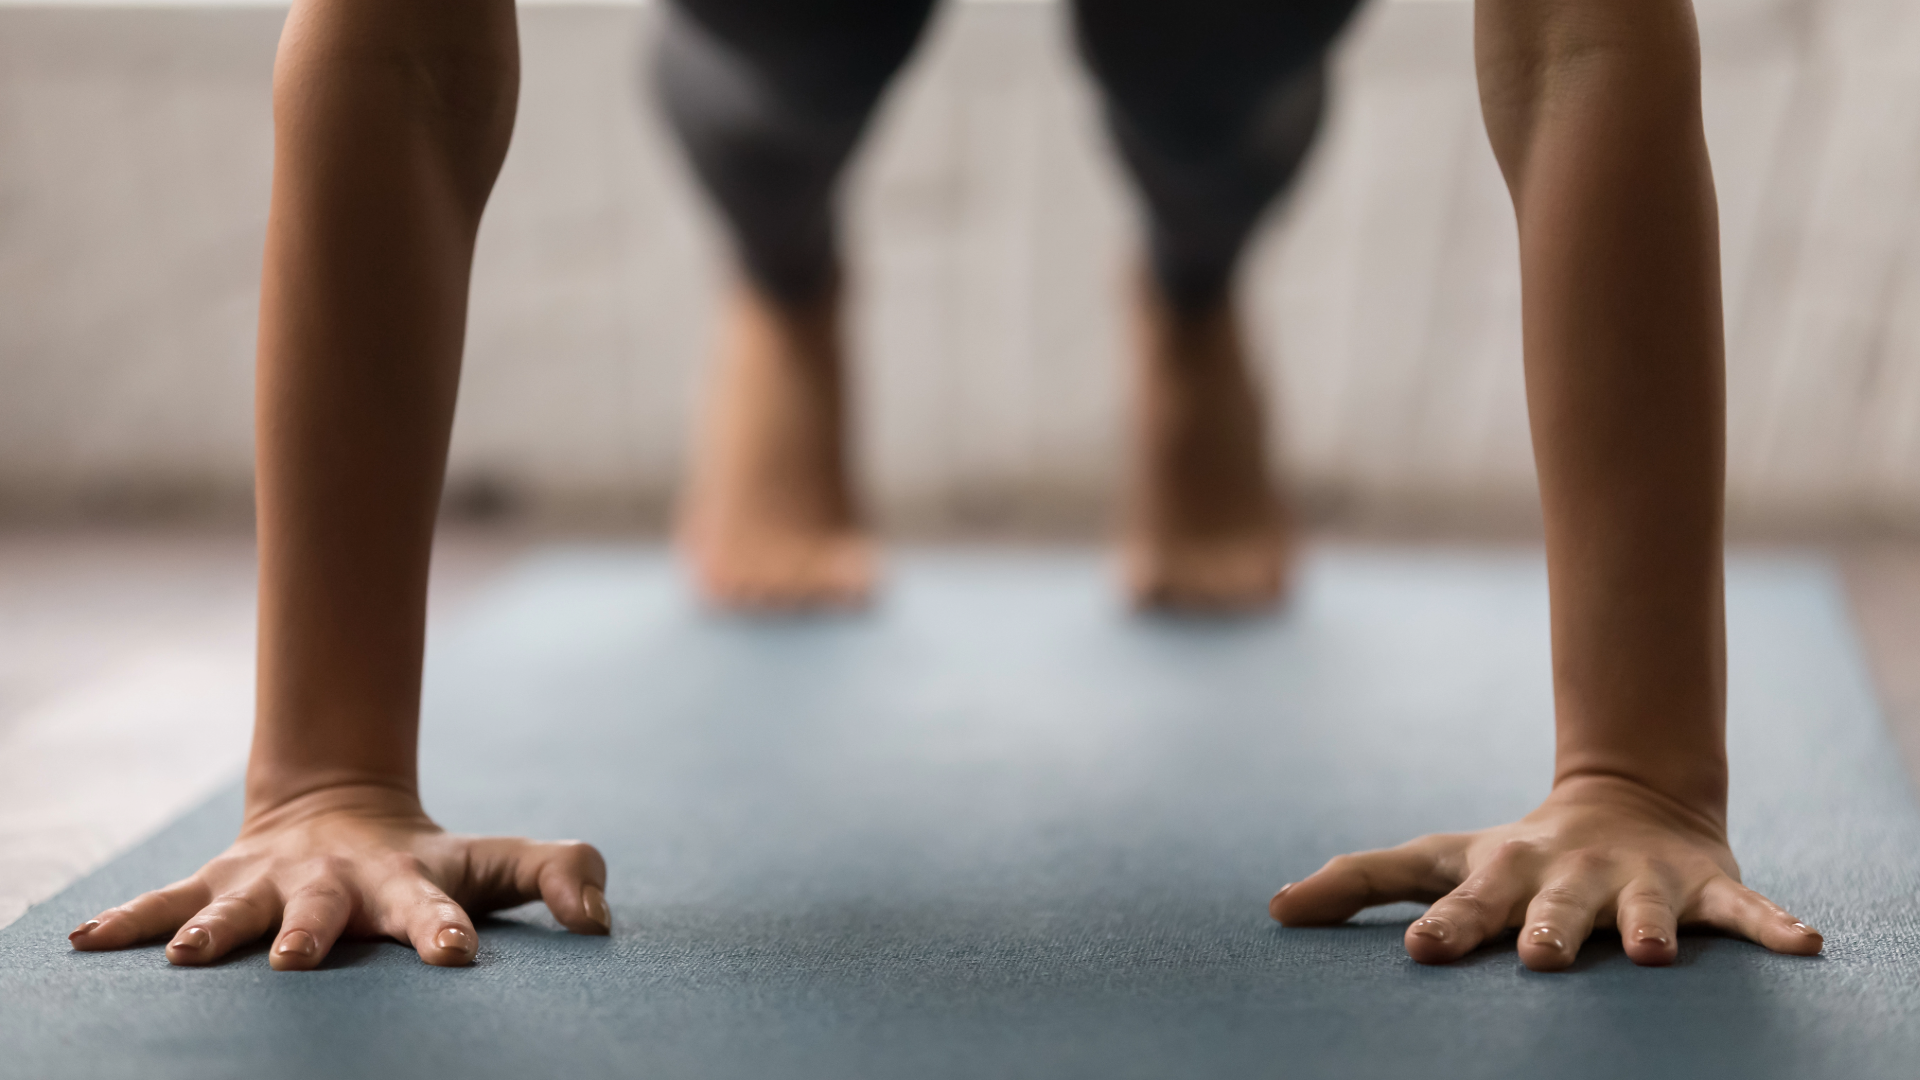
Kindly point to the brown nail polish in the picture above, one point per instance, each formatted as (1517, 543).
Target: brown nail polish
(595, 902)
(297, 943)
(193, 939)
(84, 929)
(1432, 928)
(454, 939)
(1284, 888)
(1544, 935)
(1653, 936)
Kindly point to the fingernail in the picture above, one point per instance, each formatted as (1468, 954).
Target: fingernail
(84, 929)
(595, 902)
(1284, 888)
(454, 939)
(1654, 936)
(1432, 928)
(297, 943)
(1544, 935)
(192, 939)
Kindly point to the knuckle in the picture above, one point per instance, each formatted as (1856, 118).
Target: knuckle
(1356, 868)
(1662, 870)
(323, 891)
(1467, 905)
(1655, 879)
(1586, 862)
(329, 868)
(404, 864)
(1642, 900)
(439, 910)
(584, 855)
(1557, 895)
(1512, 851)
(1647, 891)
(223, 865)
(240, 900)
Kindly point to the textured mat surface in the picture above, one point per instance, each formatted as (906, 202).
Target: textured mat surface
(997, 829)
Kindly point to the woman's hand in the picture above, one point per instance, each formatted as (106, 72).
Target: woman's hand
(1600, 851)
(360, 862)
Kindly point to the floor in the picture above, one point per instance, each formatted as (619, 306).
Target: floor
(126, 682)
(1883, 584)
(995, 828)
(126, 672)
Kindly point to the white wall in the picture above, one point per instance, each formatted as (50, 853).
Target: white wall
(992, 242)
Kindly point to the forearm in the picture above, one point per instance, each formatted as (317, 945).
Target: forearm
(1594, 111)
(391, 120)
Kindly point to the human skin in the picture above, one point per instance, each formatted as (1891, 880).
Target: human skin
(392, 117)
(1593, 109)
(1205, 531)
(770, 522)
(391, 121)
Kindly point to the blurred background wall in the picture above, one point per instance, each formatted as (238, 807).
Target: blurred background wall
(992, 246)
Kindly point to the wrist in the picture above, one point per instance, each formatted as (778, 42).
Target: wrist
(277, 797)
(1701, 801)
(1669, 740)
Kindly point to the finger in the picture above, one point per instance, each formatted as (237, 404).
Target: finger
(573, 882)
(147, 916)
(1560, 916)
(415, 910)
(571, 877)
(232, 920)
(314, 918)
(1649, 925)
(1483, 906)
(1334, 893)
(1727, 905)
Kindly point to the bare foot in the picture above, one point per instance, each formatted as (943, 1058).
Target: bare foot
(1205, 531)
(769, 521)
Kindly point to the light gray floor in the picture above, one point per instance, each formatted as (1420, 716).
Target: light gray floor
(126, 685)
(998, 828)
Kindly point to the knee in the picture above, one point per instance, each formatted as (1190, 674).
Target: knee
(1198, 80)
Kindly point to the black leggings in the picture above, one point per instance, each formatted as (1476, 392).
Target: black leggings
(1212, 104)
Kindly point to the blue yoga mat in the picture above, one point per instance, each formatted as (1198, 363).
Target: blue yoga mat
(998, 828)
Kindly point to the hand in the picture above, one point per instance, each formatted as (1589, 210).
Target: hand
(1600, 851)
(358, 861)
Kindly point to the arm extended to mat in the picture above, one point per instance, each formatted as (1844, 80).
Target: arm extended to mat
(391, 120)
(1593, 109)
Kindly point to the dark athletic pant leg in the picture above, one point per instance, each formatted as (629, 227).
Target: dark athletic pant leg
(769, 98)
(1213, 105)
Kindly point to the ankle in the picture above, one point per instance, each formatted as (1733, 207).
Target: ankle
(807, 329)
